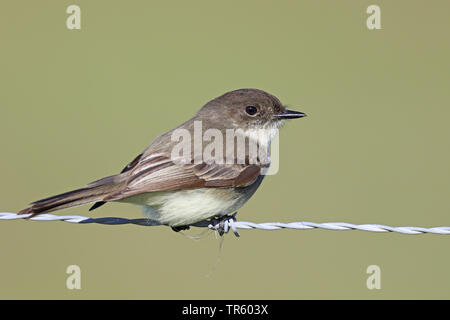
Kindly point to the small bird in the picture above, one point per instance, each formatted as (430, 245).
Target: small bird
(180, 190)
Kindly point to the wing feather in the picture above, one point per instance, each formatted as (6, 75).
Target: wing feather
(159, 173)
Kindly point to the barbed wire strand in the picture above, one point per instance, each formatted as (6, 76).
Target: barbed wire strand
(224, 226)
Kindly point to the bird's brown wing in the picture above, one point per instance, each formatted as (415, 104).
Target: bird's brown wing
(159, 173)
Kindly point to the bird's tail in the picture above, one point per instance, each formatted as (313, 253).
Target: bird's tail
(90, 194)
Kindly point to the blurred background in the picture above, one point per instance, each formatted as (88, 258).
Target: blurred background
(77, 105)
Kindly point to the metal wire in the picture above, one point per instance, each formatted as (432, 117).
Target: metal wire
(224, 226)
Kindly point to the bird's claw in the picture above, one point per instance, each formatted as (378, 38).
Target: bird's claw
(223, 224)
(220, 224)
(180, 228)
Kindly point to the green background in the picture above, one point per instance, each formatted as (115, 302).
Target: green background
(77, 105)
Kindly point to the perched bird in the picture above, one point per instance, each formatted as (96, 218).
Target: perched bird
(174, 182)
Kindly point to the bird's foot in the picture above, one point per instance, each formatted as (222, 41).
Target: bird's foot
(180, 228)
(220, 224)
(223, 224)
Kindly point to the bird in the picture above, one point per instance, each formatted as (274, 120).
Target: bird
(180, 190)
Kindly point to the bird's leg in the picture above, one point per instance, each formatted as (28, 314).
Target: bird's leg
(222, 224)
(178, 229)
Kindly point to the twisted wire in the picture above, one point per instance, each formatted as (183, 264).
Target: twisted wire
(224, 226)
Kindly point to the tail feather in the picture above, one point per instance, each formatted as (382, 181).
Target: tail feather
(70, 199)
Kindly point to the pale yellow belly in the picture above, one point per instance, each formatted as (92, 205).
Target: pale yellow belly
(184, 207)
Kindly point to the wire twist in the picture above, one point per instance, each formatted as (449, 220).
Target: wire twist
(225, 225)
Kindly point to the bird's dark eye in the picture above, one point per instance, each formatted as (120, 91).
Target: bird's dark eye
(251, 110)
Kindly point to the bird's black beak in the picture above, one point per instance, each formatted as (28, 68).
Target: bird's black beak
(290, 114)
